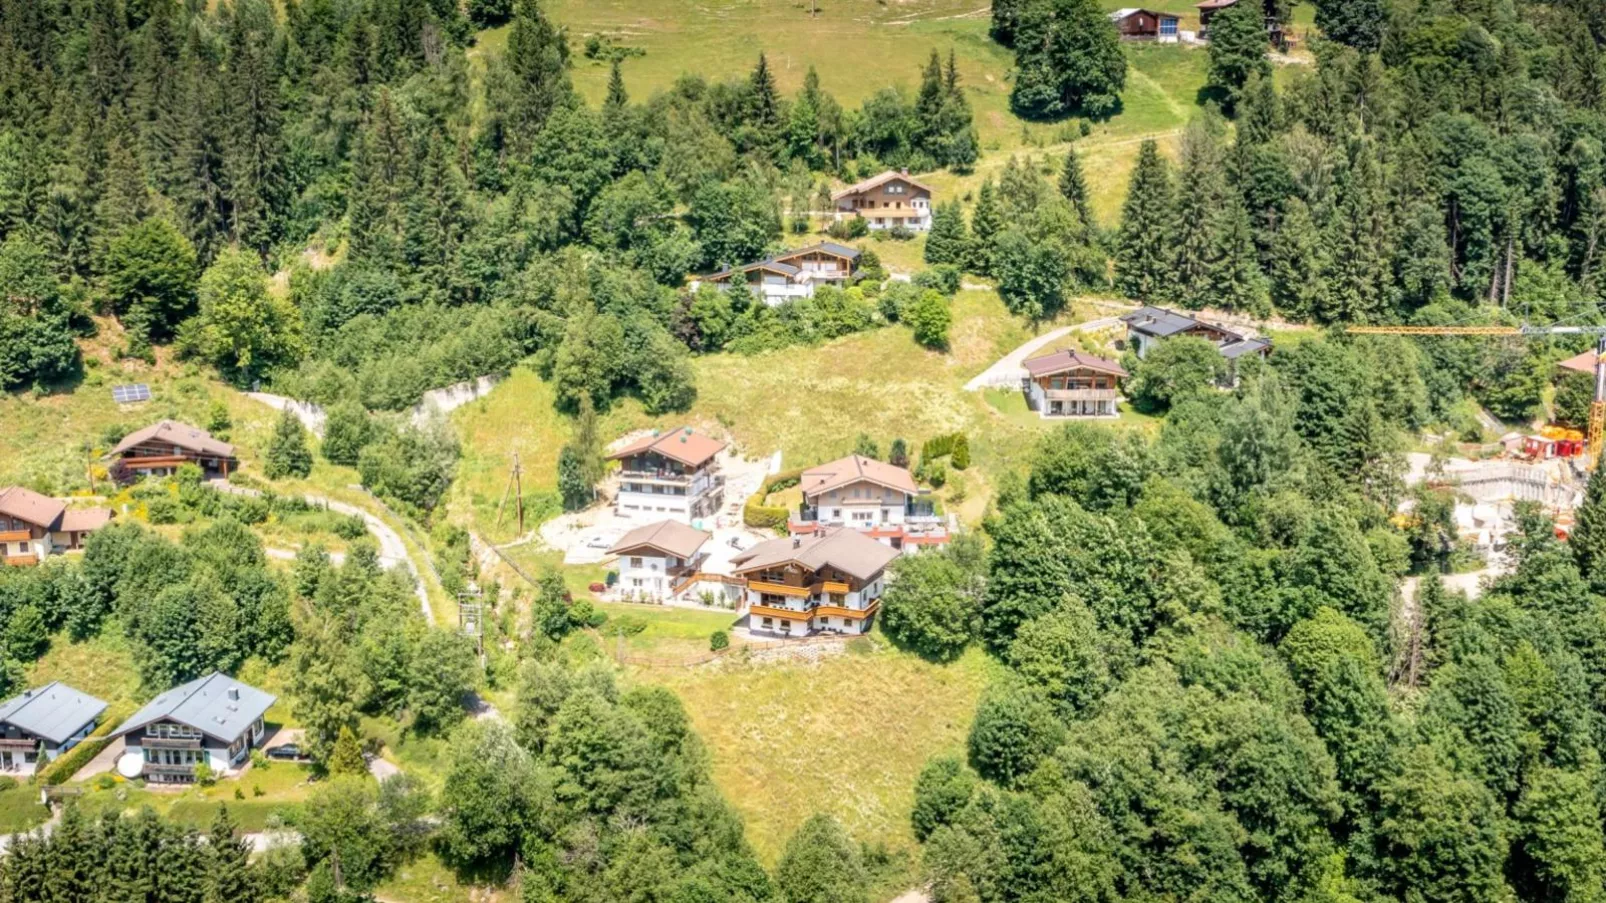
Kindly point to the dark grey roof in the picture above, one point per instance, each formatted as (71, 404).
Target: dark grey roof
(55, 711)
(830, 246)
(217, 705)
(1234, 350)
(768, 263)
(1159, 322)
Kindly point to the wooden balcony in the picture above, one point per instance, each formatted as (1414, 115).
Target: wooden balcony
(765, 611)
(22, 561)
(779, 589)
(831, 586)
(161, 768)
(1081, 394)
(26, 744)
(16, 536)
(852, 614)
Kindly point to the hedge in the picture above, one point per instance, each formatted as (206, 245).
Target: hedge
(67, 764)
(774, 517)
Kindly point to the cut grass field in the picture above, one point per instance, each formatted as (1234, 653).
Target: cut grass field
(846, 736)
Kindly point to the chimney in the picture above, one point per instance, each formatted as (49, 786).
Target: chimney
(797, 542)
(234, 692)
(903, 171)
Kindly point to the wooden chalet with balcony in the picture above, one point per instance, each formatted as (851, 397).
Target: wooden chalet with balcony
(162, 448)
(41, 724)
(1146, 25)
(887, 201)
(827, 582)
(673, 475)
(793, 274)
(877, 499)
(1073, 384)
(661, 560)
(34, 527)
(213, 719)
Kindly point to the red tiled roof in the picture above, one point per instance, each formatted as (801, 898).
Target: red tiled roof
(852, 469)
(27, 505)
(685, 445)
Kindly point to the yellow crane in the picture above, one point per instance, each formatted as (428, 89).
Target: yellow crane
(1597, 409)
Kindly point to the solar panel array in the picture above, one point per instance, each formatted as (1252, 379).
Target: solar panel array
(131, 393)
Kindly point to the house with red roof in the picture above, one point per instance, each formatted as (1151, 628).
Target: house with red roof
(674, 475)
(887, 200)
(34, 527)
(873, 497)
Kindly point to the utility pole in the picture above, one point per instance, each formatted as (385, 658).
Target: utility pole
(515, 485)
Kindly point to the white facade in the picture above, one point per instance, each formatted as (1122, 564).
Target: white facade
(646, 576)
(816, 613)
(1037, 398)
(863, 506)
(684, 498)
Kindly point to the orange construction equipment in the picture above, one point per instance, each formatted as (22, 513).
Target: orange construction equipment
(1596, 433)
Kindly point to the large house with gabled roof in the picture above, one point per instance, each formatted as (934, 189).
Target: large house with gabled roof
(1073, 383)
(163, 447)
(660, 560)
(887, 201)
(873, 497)
(43, 723)
(792, 274)
(213, 719)
(1148, 326)
(673, 474)
(828, 581)
(34, 527)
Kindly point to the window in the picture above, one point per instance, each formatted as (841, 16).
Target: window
(863, 517)
(1168, 27)
(769, 622)
(173, 731)
(635, 561)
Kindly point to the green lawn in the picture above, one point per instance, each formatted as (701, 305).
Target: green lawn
(20, 809)
(283, 785)
(102, 666)
(845, 736)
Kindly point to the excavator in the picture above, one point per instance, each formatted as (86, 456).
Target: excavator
(1596, 432)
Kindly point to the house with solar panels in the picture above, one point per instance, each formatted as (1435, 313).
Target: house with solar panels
(163, 447)
(213, 719)
(41, 724)
(34, 527)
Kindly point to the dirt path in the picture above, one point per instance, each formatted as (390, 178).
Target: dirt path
(392, 551)
(1007, 372)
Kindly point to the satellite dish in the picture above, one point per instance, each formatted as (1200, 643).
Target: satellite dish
(131, 764)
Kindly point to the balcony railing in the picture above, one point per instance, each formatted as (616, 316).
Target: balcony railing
(15, 536)
(164, 768)
(777, 589)
(172, 742)
(807, 514)
(27, 560)
(24, 743)
(1081, 394)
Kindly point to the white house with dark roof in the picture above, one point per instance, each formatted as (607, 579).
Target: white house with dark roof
(47, 721)
(34, 527)
(660, 560)
(1148, 326)
(215, 719)
(829, 581)
(673, 474)
(878, 499)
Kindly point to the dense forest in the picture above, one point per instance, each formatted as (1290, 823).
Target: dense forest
(157, 158)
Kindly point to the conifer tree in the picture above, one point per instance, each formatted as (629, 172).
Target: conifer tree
(229, 877)
(986, 224)
(1197, 238)
(125, 200)
(346, 758)
(1357, 276)
(437, 221)
(253, 151)
(1358, 23)
(948, 241)
(199, 179)
(1073, 187)
(1236, 282)
(1142, 255)
(1588, 539)
(617, 97)
(763, 97)
(1298, 261)
(287, 451)
(537, 61)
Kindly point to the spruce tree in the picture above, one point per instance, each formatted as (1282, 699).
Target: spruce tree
(1357, 277)
(1073, 187)
(537, 63)
(346, 758)
(1236, 280)
(1196, 239)
(229, 878)
(437, 222)
(617, 97)
(1358, 23)
(948, 241)
(287, 451)
(763, 97)
(986, 224)
(1298, 259)
(253, 146)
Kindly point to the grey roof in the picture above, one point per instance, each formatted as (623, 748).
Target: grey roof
(1070, 359)
(55, 711)
(206, 705)
(1159, 322)
(1234, 350)
(827, 246)
(768, 263)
